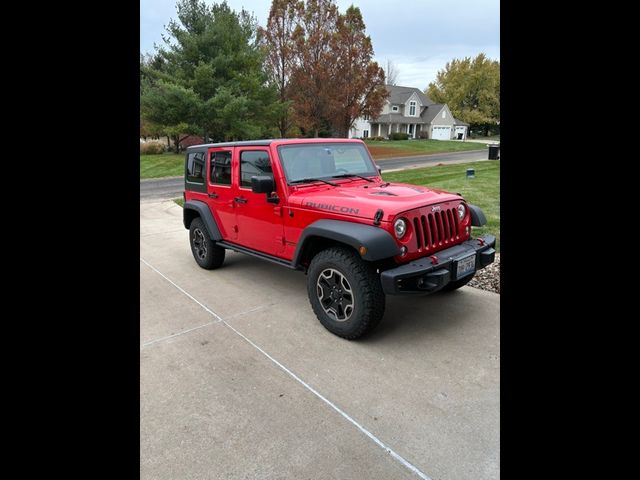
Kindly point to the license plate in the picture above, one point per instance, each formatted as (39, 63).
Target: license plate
(466, 266)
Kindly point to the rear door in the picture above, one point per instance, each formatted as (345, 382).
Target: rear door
(221, 191)
(260, 225)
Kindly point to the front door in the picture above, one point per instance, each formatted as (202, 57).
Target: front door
(221, 192)
(260, 225)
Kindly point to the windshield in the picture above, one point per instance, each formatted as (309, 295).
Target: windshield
(325, 160)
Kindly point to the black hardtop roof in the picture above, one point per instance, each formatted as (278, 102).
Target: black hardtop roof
(247, 143)
(267, 142)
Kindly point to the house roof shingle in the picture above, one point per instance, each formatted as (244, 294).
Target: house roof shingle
(399, 95)
(460, 122)
(430, 113)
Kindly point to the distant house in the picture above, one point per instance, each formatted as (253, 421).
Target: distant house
(410, 111)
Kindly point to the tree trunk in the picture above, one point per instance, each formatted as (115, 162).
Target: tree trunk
(486, 130)
(176, 141)
(315, 133)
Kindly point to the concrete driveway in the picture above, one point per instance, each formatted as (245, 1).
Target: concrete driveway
(238, 379)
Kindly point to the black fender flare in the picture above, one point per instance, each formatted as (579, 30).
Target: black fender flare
(203, 211)
(477, 216)
(379, 243)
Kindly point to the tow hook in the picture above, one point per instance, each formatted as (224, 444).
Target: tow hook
(481, 241)
(434, 260)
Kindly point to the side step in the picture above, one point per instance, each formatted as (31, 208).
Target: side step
(253, 253)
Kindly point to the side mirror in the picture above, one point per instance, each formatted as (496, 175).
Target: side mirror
(379, 170)
(262, 184)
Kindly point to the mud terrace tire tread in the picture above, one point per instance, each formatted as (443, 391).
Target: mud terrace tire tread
(215, 254)
(366, 287)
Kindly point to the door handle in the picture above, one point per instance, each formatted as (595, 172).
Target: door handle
(240, 200)
(213, 195)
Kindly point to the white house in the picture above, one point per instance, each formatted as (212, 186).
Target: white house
(410, 111)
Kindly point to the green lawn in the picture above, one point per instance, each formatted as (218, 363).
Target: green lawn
(482, 137)
(385, 148)
(179, 201)
(483, 190)
(163, 165)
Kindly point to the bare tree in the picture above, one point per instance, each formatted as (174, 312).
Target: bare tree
(391, 73)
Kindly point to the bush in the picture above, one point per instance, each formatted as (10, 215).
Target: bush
(423, 134)
(375, 139)
(399, 136)
(151, 148)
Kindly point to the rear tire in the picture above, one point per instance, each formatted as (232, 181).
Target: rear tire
(456, 284)
(345, 293)
(206, 253)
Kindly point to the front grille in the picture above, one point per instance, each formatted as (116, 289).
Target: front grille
(435, 229)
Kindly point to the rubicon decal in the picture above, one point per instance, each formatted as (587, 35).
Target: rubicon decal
(333, 208)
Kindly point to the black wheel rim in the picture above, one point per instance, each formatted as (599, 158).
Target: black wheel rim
(199, 244)
(335, 295)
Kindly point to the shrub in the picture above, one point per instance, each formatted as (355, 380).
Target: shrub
(151, 148)
(375, 139)
(423, 134)
(399, 136)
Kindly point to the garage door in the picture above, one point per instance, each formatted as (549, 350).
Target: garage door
(441, 133)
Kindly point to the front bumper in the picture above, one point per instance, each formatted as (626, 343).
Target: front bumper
(430, 274)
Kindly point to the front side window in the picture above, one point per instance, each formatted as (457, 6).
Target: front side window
(325, 160)
(412, 109)
(195, 167)
(221, 168)
(254, 163)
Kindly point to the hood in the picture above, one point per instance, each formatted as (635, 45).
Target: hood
(361, 199)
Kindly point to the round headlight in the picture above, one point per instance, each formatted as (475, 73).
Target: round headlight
(400, 226)
(462, 211)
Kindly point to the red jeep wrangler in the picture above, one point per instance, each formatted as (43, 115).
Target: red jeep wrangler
(321, 206)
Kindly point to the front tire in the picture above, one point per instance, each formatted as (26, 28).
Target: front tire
(345, 293)
(206, 253)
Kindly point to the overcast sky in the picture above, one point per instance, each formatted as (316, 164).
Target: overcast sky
(419, 36)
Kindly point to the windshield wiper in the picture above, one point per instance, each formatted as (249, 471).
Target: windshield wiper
(347, 175)
(307, 180)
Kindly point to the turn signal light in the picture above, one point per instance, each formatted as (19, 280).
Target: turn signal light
(362, 250)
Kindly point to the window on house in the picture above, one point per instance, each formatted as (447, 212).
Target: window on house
(221, 168)
(254, 163)
(444, 114)
(394, 108)
(412, 108)
(365, 134)
(366, 117)
(195, 167)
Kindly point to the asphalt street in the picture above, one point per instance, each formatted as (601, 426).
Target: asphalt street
(172, 187)
(239, 380)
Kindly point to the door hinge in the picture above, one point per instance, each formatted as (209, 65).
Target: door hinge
(277, 211)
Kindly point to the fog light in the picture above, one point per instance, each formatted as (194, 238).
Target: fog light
(403, 251)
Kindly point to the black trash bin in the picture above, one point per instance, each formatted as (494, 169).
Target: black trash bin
(494, 152)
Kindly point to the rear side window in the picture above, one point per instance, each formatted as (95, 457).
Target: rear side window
(221, 168)
(195, 167)
(254, 163)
